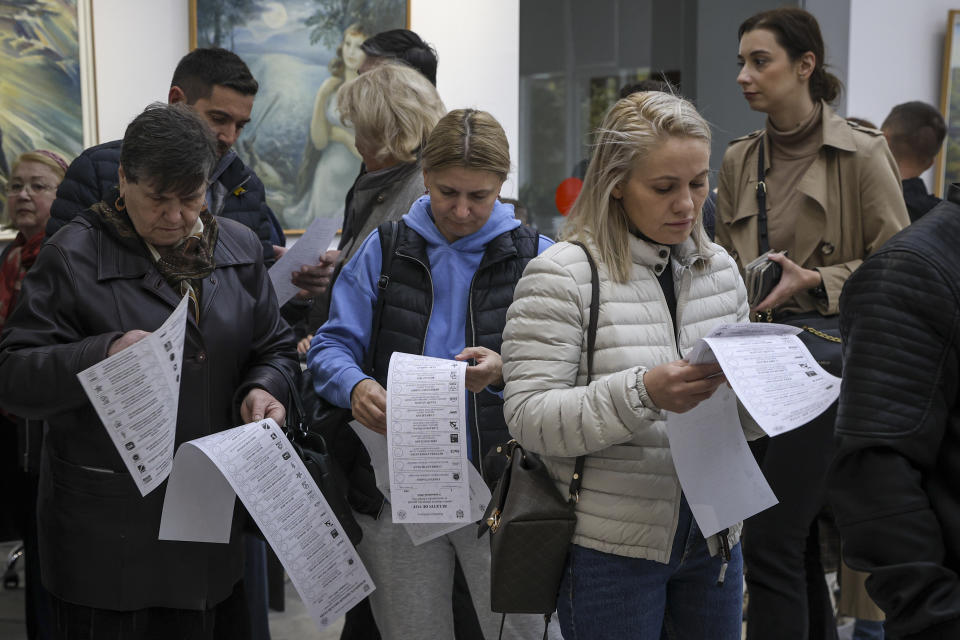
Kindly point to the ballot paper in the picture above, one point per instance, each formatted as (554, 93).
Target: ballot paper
(772, 373)
(376, 446)
(257, 463)
(135, 392)
(427, 440)
(717, 471)
(306, 251)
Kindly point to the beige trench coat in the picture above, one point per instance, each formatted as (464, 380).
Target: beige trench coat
(854, 204)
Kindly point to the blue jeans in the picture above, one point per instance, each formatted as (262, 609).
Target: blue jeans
(606, 596)
(868, 630)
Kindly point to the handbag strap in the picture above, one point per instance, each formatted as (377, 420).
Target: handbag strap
(762, 200)
(577, 479)
(298, 424)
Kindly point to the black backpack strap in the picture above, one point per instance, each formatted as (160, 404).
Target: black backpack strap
(577, 479)
(389, 232)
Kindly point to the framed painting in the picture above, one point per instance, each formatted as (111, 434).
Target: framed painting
(301, 52)
(948, 161)
(47, 86)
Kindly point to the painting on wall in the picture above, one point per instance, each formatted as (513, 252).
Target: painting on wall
(301, 52)
(948, 162)
(47, 99)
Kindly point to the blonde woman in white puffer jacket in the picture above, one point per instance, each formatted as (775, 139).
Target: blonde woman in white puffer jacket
(638, 565)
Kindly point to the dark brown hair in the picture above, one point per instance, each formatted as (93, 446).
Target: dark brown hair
(797, 31)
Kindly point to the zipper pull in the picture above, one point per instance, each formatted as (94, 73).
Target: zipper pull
(725, 554)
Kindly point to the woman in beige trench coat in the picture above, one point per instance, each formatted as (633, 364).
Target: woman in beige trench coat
(832, 196)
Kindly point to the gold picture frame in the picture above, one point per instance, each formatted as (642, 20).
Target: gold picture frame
(948, 160)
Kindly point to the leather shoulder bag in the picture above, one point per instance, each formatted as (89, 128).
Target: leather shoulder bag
(530, 522)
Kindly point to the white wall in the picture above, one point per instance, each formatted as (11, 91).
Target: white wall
(478, 46)
(139, 42)
(896, 55)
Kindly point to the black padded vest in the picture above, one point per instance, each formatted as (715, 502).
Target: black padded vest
(409, 301)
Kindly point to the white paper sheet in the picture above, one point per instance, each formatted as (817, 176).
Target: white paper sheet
(256, 462)
(717, 471)
(772, 373)
(376, 446)
(136, 393)
(306, 251)
(427, 439)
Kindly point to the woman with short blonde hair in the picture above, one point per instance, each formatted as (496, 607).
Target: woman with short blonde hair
(443, 292)
(471, 139)
(392, 108)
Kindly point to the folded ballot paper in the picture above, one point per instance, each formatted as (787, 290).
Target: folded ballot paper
(778, 382)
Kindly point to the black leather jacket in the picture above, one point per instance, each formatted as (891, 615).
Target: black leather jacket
(98, 536)
(895, 484)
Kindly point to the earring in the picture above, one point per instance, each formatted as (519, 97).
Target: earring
(119, 204)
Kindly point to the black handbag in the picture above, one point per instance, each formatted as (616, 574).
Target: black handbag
(530, 523)
(821, 334)
(320, 464)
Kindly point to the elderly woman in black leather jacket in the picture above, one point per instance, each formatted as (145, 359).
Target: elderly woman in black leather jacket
(99, 285)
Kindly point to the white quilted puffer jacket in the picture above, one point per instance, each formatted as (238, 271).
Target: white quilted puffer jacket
(630, 497)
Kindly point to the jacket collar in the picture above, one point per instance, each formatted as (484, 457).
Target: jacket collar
(387, 177)
(651, 254)
(117, 262)
(836, 133)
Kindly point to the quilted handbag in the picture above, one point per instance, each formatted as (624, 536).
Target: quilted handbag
(530, 523)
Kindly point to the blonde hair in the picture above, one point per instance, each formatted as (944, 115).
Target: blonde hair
(392, 108)
(632, 128)
(41, 156)
(471, 139)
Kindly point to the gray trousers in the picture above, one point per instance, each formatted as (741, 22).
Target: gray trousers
(412, 600)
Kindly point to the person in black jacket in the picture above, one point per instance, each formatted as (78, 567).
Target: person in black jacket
(113, 274)
(218, 85)
(895, 480)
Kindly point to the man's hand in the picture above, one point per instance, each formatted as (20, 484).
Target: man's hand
(313, 280)
(304, 345)
(488, 370)
(259, 404)
(368, 401)
(127, 339)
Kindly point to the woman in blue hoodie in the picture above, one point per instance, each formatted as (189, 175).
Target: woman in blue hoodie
(458, 255)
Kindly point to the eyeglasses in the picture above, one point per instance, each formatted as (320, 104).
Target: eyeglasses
(35, 188)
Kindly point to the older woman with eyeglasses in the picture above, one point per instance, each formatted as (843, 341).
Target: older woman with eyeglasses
(30, 192)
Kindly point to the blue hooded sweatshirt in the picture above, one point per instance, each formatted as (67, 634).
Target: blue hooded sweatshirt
(337, 352)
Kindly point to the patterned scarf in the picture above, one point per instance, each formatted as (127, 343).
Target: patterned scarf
(183, 265)
(21, 256)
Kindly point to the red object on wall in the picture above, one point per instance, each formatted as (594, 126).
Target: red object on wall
(566, 193)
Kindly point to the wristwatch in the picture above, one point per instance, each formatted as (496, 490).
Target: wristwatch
(818, 291)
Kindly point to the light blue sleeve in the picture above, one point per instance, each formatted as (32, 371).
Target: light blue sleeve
(337, 351)
(543, 244)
